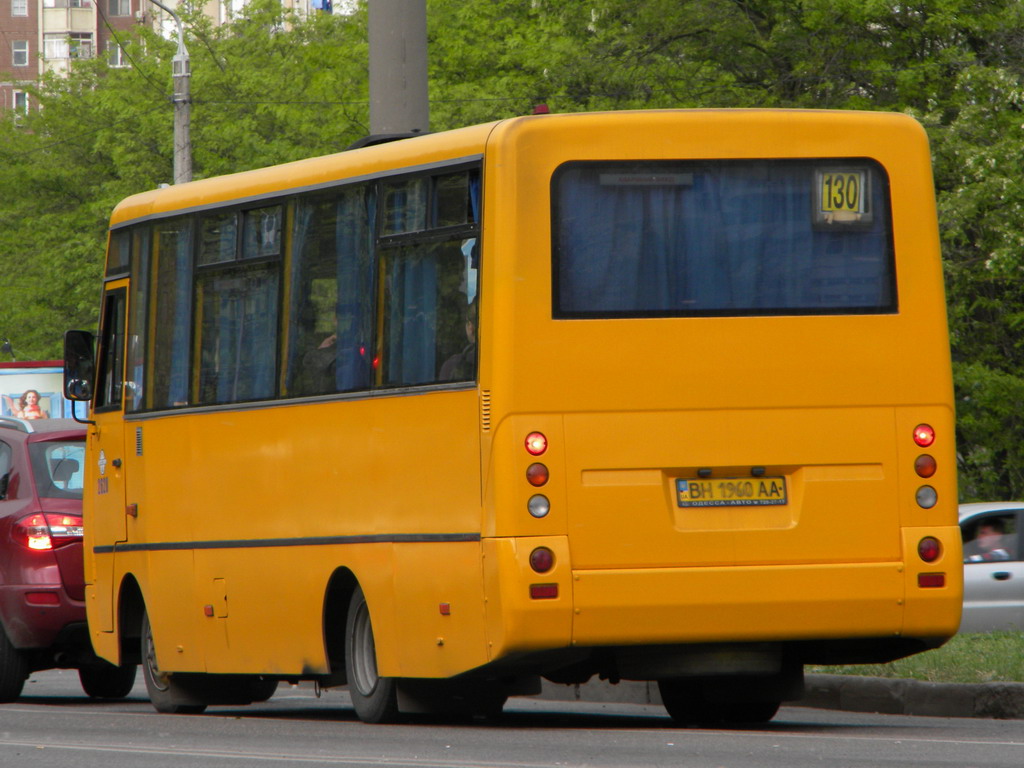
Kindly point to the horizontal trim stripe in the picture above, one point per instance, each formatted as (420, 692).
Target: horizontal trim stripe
(305, 541)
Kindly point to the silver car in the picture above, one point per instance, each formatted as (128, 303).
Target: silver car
(993, 566)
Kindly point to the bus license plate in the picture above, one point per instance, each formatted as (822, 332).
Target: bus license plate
(731, 492)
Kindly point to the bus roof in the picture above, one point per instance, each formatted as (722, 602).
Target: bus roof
(303, 174)
(422, 152)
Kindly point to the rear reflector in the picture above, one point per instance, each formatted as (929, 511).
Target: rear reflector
(42, 598)
(543, 591)
(927, 580)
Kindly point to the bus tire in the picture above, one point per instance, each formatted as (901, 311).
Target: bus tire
(687, 703)
(13, 670)
(103, 680)
(166, 694)
(374, 698)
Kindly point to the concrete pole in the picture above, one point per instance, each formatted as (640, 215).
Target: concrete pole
(181, 71)
(398, 66)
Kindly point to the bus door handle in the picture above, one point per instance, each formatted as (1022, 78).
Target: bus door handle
(1002, 576)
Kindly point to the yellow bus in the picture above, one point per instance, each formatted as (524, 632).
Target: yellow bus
(657, 395)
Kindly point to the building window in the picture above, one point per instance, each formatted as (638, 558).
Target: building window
(120, 8)
(19, 56)
(116, 56)
(55, 46)
(75, 45)
(21, 102)
(19, 7)
(81, 45)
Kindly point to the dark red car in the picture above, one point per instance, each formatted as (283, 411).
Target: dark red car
(42, 584)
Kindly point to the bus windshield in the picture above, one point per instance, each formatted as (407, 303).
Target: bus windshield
(739, 237)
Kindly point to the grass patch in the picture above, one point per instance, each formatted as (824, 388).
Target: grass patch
(984, 658)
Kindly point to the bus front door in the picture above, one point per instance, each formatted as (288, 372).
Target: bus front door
(106, 524)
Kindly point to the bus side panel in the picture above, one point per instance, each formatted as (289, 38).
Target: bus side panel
(173, 617)
(272, 507)
(438, 627)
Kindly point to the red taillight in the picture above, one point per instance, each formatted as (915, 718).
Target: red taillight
(929, 549)
(48, 530)
(542, 559)
(536, 443)
(924, 435)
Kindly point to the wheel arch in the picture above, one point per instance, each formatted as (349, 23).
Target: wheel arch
(130, 607)
(337, 597)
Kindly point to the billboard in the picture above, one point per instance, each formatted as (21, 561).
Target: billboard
(44, 377)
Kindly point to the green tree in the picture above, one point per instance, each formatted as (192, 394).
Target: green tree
(270, 87)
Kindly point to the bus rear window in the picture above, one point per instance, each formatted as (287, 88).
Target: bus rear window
(722, 238)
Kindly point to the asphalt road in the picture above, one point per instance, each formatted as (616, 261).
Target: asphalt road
(55, 725)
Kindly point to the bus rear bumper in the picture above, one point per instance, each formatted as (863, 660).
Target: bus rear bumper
(757, 604)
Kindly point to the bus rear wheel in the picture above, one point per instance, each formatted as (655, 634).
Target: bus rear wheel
(374, 698)
(688, 703)
(166, 694)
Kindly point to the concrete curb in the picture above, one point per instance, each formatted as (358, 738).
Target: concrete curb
(850, 693)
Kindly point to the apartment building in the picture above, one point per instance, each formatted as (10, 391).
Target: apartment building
(38, 36)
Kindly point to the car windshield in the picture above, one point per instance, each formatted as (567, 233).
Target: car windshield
(59, 468)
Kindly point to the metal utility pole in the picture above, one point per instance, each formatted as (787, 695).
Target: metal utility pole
(398, 67)
(182, 75)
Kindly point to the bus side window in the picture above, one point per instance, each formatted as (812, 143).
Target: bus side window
(332, 300)
(425, 312)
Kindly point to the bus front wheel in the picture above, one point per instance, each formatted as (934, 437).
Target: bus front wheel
(166, 694)
(374, 698)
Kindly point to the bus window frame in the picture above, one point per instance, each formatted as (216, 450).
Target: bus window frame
(885, 211)
(281, 264)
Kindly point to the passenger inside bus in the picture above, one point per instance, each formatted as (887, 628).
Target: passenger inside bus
(462, 365)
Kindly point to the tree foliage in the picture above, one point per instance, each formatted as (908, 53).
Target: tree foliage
(270, 87)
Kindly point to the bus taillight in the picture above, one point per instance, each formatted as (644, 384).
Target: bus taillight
(927, 497)
(542, 559)
(924, 435)
(929, 549)
(536, 443)
(925, 465)
(538, 505)
(536, 474)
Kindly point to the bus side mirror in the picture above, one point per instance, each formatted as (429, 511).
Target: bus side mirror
(79, 365)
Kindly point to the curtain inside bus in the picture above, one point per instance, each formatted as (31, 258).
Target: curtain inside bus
(714, 238)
